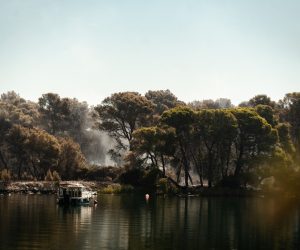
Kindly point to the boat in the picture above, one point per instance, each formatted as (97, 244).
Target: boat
(75, 194)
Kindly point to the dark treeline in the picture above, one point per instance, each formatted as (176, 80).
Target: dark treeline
(202, 142)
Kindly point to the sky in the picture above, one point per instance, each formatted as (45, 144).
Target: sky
(198, 49)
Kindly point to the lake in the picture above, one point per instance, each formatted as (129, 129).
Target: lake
(130, 222)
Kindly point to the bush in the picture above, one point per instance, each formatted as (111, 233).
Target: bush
(150, 178)
(97, 173)
(230, 181)
(116, 189)
(166, 187)
(138, 177)
(163, 185)
(132, 177)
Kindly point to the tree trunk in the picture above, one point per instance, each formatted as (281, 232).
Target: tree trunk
(239, 162)
(210, 170)
(163, 164)
(3, 160)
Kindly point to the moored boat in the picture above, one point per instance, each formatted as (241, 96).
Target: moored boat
(75, 194)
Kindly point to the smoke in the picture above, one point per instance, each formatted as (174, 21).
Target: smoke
(97, 148)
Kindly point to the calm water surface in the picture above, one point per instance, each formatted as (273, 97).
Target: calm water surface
(129, 222)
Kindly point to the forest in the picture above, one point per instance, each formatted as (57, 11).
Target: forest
(129, 136)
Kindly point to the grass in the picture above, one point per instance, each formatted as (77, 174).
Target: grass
(116, 189)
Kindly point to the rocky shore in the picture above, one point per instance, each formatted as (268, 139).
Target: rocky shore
(43, 187)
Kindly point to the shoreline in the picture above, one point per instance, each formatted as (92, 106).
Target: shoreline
(43, 187)
(50, 187)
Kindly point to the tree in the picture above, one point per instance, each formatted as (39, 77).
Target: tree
(42, 152)
(33, 150)
(54, 111)
(224, 103)
(285, 138)
(155, 144)
(261, 100)
(291, 106)
(122, 113)
(267, 112)
(204, 104)
(182, 120)
(16, 140)
(255, 138)
(216, 130)
(163, 100)
(5, 126)
(71, 160)
(17, 110)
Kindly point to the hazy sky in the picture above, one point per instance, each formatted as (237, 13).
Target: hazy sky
(198, 49)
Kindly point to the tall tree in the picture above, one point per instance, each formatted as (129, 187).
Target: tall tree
(261, 100)
(182, 119)
(71, 160)
(255, 138)
(122, 113)
(155, 144)
(55, 112)
(163, 100)
(268, 113)
(216, 130)
(291, 106)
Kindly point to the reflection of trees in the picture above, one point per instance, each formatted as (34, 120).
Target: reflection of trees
(213, 223)
(129, 222)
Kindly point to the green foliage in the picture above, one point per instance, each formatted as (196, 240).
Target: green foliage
(54, 111)
(291, 114)
(215, 130)
(150, 178)
(163, 100)
(255, 139)
(154, 144)
(141, 178)
(132, 177)
(117, 189)
(71, 160)
(268, 113)
(122, 113)
(285, 138)
(33, 149)
(98, 173)
(261, 100)
(156, 134)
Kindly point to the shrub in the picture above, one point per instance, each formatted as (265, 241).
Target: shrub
(230, 181)
(166, 187)
(163, 185)
(132, 176)
(116, 189)
(150, 178)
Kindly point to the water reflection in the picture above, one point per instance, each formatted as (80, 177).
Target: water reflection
(131, 222)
